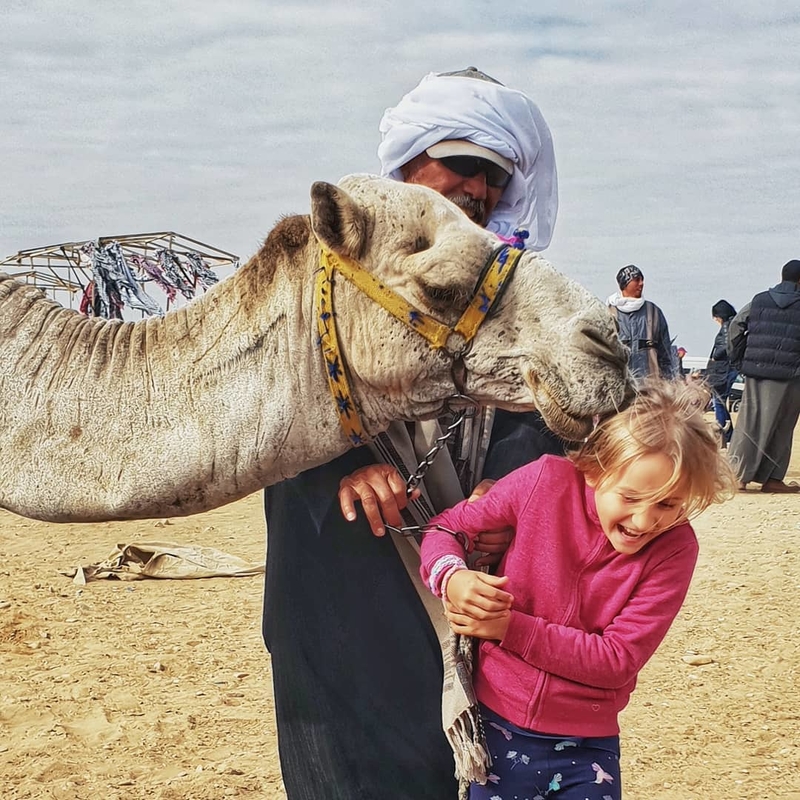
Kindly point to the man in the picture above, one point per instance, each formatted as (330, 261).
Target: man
(680, 353)
(642, 327)
(357, 666)
(765, 337)
(720, 373)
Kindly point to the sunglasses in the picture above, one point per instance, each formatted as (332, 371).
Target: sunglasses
(470, 166)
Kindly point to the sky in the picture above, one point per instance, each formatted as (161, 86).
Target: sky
(676, 124)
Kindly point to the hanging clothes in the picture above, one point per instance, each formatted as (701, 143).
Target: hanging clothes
(200, 269)
(114, 280)
(150, 268)
(173, 269)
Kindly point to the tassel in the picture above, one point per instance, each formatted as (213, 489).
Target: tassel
(465, 736)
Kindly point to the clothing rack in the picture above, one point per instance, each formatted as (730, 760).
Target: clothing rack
(67, 271)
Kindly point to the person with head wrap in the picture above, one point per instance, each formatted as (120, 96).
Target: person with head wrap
(357, 665)
(642, 327)
(469, 115)
(720, 373)
(764, 337)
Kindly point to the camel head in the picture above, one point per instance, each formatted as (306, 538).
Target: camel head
(547, 343)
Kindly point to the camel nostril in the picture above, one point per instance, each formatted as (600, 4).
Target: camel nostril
(596, 343)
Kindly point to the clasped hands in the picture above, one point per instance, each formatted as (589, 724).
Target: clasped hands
(476, 604)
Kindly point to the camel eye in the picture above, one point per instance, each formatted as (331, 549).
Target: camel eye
(420, 243)
(444, 297)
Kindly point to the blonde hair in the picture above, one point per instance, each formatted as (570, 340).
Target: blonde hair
(664, 417)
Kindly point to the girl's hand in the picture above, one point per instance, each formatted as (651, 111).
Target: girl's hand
(476, 605)
(382, 492)
(477, 595)
(479, 628)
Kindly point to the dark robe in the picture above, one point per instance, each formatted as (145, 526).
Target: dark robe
(357, 668)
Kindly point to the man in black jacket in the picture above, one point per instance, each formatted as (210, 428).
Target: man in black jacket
(769, 328)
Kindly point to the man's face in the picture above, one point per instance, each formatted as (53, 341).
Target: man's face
(634, 288)
(472, 195)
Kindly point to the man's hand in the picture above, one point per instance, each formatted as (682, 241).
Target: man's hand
(476, 604)
(481, 489)
(492, 543)
(382, 492)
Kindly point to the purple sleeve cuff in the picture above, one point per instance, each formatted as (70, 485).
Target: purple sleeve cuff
(521, 633)
(441, 571)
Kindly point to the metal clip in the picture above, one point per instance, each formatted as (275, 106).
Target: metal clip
(462, 403)
(406, 530)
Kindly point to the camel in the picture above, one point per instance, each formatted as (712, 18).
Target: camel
(105, 419)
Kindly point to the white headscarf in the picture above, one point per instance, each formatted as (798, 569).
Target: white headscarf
(626, 304)
(492, 116)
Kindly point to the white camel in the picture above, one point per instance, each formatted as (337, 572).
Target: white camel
(104, 420)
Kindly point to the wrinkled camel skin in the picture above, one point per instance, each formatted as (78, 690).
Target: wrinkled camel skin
(104, 420)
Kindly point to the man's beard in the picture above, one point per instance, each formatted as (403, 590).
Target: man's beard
(475, 209)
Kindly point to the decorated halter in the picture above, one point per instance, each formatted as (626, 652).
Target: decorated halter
(456, 340)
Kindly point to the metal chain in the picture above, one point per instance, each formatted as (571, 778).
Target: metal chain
(416, 530)
(419, 473)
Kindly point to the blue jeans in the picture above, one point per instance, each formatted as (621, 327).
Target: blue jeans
(535, 766)
(720, 405)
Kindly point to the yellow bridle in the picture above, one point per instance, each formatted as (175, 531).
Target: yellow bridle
(495, 275)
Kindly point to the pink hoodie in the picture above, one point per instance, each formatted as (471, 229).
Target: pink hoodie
(585, 618)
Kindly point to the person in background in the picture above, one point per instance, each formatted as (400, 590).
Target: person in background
(598, 569)
(765, 338)
(642, 327)
(680, 352)
(357, 665)
(720, 373)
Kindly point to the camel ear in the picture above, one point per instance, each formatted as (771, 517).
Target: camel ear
(336, 220)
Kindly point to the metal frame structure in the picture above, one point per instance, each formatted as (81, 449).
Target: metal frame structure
(65, 268)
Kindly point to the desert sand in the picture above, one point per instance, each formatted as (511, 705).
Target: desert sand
(162, 689)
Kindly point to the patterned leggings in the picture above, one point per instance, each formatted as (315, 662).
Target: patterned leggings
(530, 766)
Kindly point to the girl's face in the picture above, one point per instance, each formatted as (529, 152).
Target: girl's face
(631, 523)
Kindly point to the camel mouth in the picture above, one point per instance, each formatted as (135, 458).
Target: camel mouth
(536, 397)
(569, 426)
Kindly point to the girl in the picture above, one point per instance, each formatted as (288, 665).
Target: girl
(598, 569)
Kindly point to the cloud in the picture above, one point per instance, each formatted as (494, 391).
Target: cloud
(675, 123)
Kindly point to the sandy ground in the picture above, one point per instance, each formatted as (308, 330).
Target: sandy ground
(162, 689)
